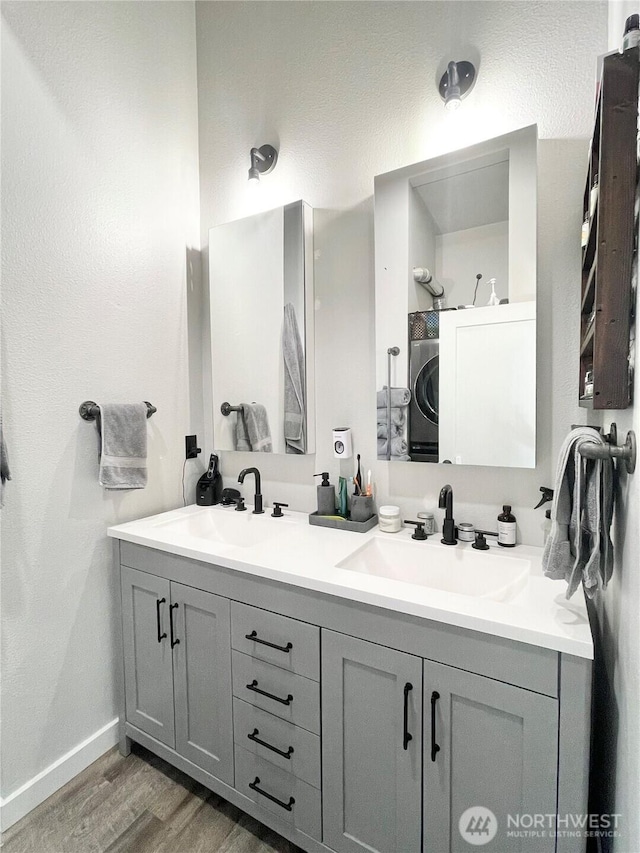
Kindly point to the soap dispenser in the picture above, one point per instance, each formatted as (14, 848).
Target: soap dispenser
(326, 495)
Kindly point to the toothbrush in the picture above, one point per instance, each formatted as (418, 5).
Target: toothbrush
(358, 479)
(369, 491)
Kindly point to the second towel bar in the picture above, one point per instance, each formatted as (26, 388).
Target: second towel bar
(227, 408)
(626, 452)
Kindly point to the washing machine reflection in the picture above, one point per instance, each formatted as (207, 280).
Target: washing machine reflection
(424, 369)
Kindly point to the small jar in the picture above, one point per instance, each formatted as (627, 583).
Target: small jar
(429, 522)
(466, 532)
(389, 520)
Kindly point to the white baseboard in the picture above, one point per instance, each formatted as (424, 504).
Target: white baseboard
(49, 780)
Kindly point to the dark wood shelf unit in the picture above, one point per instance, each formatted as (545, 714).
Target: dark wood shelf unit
(608, 257)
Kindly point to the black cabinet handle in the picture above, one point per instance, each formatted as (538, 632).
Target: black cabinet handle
(161, 636)
(256, 639)
(174, 642)
(406, 737)
(254, 787)
(254, 737)
(435, 749)
(254, 686)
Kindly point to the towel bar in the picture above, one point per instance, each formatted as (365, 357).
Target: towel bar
(227, 408)
(89, 410)
(626, 452)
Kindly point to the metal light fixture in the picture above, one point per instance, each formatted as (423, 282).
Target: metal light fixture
(263, 161)
(456, 82)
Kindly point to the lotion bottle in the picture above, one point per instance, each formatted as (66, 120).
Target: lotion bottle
(326, 495)
(507, 528)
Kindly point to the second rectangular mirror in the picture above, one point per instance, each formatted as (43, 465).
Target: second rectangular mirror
(456, 297)
(262, 341)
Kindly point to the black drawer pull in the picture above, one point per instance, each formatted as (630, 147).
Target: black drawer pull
(174, 642)
(435, 749)
(406, 737)
(256, 639)
(254, 737)
(254, 686)
(161, 635)
(254, 787)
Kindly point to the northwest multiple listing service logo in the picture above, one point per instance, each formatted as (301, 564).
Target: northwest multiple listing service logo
(479, 825)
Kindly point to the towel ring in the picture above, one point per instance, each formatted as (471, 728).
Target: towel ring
(625, 453)
(89, 410)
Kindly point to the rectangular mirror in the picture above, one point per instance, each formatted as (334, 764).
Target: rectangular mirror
(455, 265)
(262, 342)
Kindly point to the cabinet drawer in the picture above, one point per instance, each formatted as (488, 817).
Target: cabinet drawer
(289, 747)
(298, 644)
(291, 697)
(282, 788)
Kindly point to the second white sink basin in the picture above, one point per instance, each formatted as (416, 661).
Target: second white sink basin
(482, 574)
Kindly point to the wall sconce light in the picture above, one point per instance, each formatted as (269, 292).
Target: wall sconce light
(263, 161)
(456, 82)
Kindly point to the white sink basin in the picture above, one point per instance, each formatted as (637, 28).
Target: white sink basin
(481, 574)
(225, 527)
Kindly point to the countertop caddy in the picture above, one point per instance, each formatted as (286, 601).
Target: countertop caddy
(356, 691)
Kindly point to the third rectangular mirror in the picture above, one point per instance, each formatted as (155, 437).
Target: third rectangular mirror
(455, 241)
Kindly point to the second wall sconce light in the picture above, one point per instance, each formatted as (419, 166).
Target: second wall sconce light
(263, 161)
(456, 82)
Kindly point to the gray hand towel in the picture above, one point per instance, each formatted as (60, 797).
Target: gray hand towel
(398, 416)
(123, 445)
(579, 546)
(399, 397)
(293, 357)
(5, 473)
(398, 447)
(252, 429)
(396, 430)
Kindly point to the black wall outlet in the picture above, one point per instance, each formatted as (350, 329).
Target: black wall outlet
(191, 448)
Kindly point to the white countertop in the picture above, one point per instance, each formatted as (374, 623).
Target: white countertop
(306, 556)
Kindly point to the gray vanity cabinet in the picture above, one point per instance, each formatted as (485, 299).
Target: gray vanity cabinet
(486, 744)
(148, 664)
(372, 746)
(177, 668)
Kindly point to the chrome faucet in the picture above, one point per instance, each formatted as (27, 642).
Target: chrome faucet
(449, 525)
(257, 499)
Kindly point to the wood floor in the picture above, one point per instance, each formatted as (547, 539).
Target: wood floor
(138, 804)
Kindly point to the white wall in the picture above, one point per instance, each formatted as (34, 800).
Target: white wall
(348, 91)
(460, 255)
(99, 210)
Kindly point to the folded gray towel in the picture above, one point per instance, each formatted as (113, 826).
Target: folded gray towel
(293, 357)
(396, 430)
(252, 429)
(398, 415)
(123, 445)
(399, 397)
(5, 473)
(579, 546)
(398, 447)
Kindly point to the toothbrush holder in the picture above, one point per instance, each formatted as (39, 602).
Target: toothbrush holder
(361, 507)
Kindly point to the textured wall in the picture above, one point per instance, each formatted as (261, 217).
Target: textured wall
(347, 91)
(99, 205)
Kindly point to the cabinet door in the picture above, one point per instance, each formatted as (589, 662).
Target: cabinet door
(498, 749)
(202, 667)
(371, 771)
(148, 669)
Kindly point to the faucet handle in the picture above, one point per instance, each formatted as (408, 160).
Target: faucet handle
(277, 509)
(420, 535)
(240, 507)
(481, 543)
